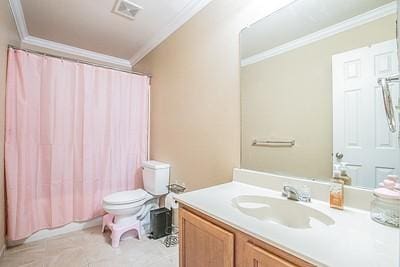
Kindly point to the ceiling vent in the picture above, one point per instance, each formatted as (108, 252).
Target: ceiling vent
(127, 9)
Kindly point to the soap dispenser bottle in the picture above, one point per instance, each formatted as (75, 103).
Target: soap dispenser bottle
(336, 191)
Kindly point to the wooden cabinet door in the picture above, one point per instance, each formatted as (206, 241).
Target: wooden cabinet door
(258, 257)
(203, 244)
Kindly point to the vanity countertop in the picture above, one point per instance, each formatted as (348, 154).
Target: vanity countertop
(353, 240)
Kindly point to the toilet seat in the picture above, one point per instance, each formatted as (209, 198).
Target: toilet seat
(126, 202)
(126, 198)
(124, 206)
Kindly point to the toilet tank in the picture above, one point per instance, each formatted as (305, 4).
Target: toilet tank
(156, 177)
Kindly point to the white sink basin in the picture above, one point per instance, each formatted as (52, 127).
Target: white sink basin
(281, 211)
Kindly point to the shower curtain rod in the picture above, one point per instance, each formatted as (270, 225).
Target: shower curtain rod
(79, 61)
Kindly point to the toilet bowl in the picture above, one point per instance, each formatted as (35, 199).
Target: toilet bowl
(126, 206)
(129, 210)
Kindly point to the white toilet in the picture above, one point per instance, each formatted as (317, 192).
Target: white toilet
(129, 210)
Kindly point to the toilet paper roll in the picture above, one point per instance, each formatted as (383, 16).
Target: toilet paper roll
(170, 202)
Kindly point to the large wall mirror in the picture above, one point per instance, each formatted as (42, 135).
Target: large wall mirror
(310, 96)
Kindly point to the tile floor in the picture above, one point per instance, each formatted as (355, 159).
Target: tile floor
(90, 247)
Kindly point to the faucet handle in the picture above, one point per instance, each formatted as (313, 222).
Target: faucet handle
(305, 193)
(290, 192)
(286, 189)
(301, 193)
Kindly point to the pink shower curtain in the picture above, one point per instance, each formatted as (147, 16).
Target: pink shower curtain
(74, 133)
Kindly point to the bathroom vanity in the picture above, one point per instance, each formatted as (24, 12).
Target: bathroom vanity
(236, 224)
(225, 245)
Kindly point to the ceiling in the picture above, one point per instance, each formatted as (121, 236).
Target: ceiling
(299, 19)
(91, 25)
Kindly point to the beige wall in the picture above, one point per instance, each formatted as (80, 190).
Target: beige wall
(195, 104)
(8, 35)
(290, 96)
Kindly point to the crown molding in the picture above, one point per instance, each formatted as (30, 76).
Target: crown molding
(18, 13)
(184, 15)
(38, 42)
(27, 39)
(380, 12)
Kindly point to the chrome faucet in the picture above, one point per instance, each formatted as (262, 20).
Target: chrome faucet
(290, 192)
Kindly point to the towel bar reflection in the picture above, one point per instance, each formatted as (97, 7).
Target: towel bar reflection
(288, 143)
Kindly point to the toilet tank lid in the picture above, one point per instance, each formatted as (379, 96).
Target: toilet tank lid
(153, 164)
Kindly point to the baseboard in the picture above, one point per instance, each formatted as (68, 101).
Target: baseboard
(47, 233)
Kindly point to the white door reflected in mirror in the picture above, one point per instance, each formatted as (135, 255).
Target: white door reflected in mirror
(360, 131)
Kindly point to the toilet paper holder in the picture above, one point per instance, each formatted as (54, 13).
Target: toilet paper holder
(176, 188)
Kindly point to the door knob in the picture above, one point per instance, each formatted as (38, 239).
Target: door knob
(339, 155)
